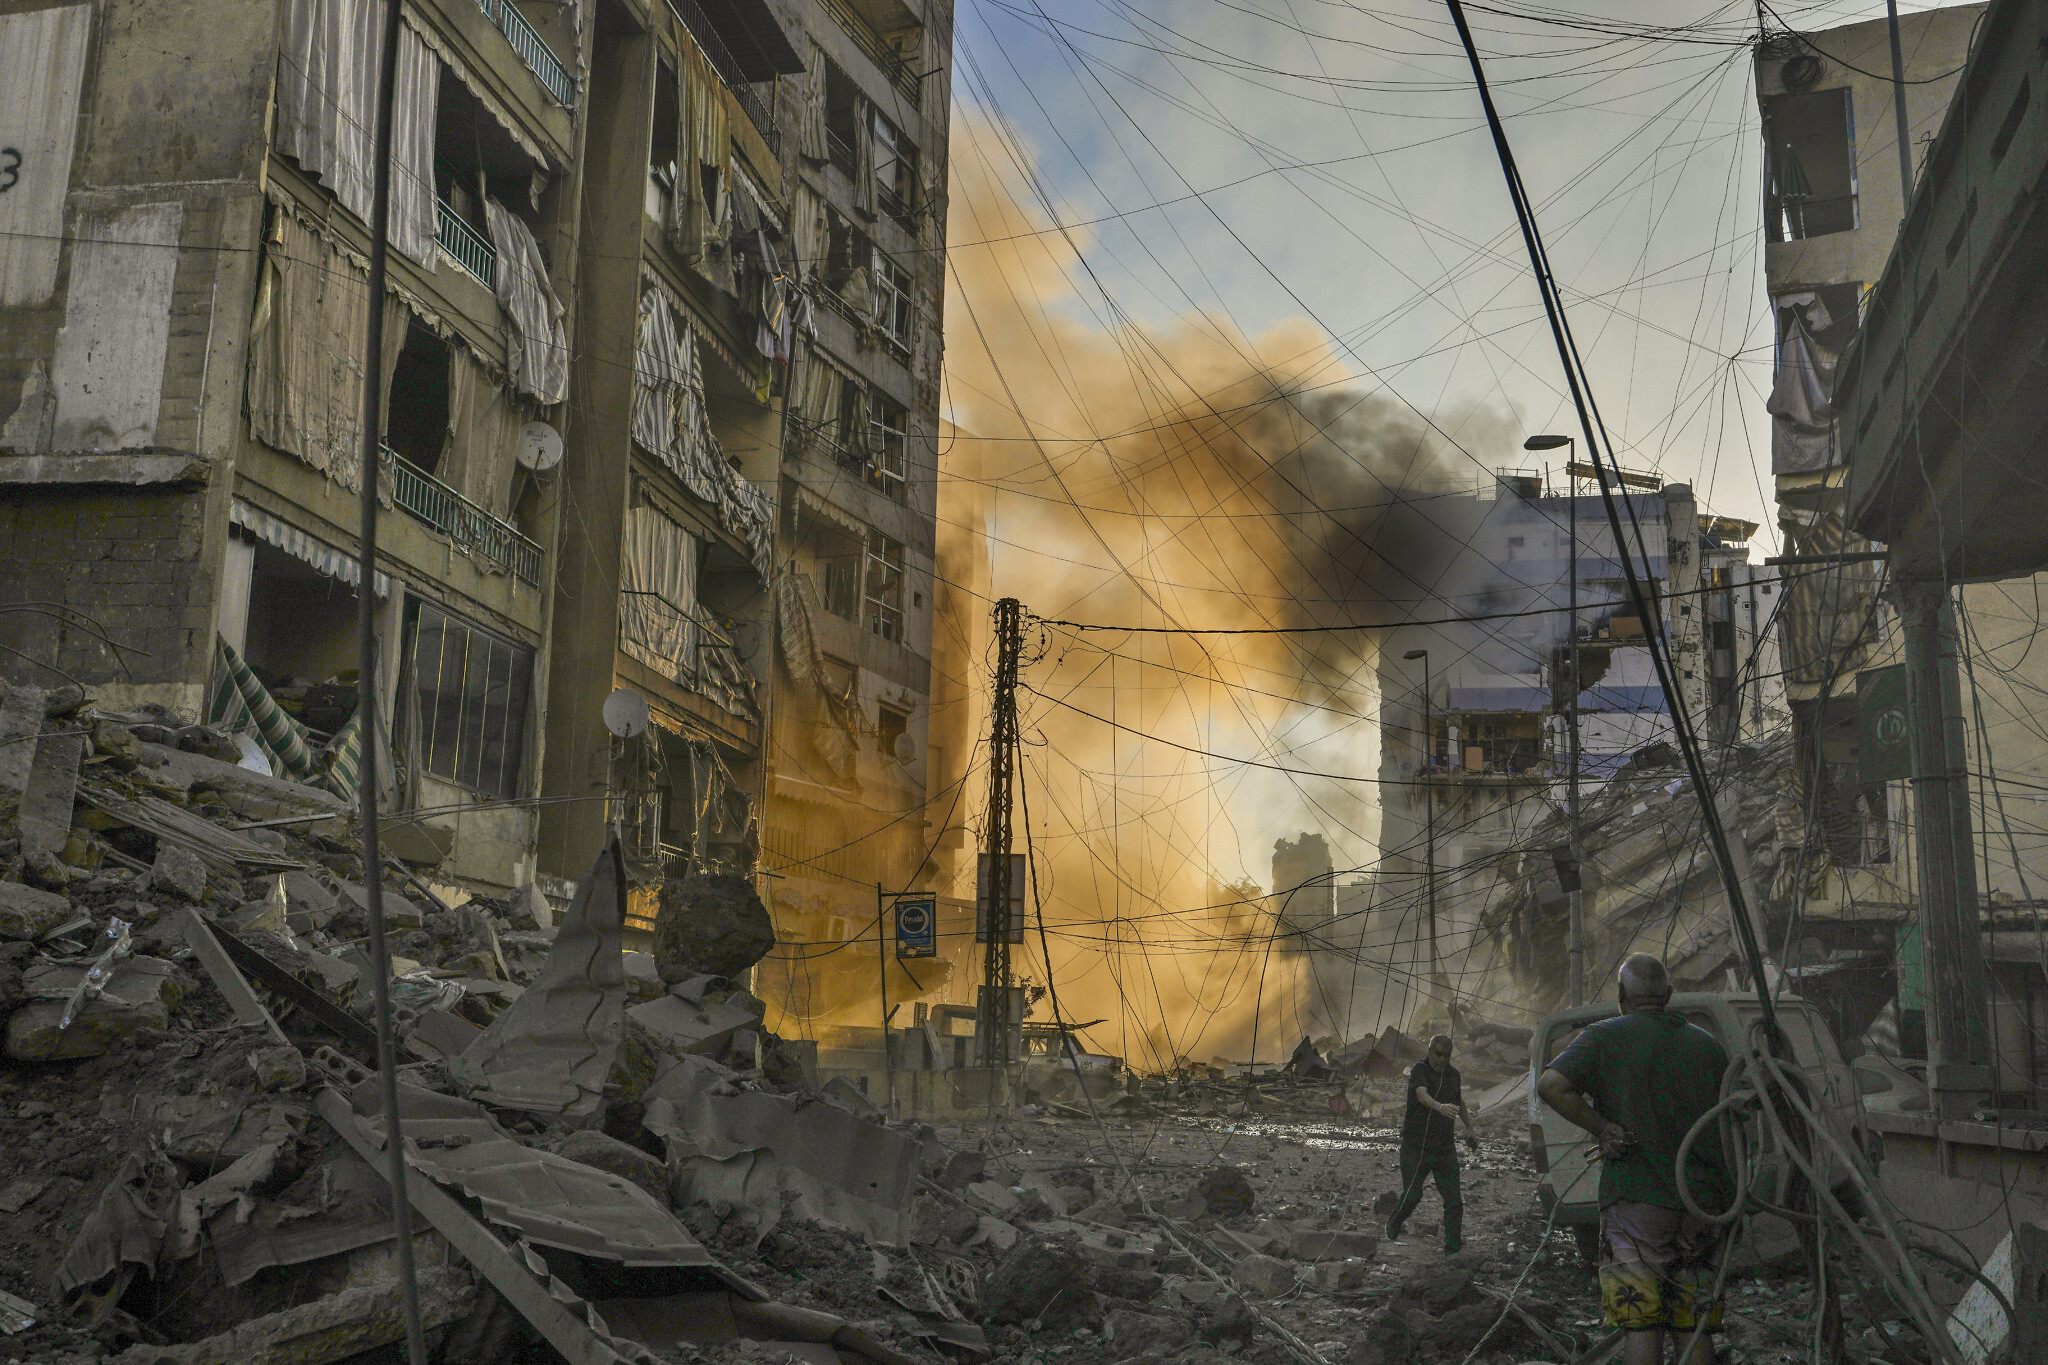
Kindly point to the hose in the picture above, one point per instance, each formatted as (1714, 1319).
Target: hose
(1744, 1083)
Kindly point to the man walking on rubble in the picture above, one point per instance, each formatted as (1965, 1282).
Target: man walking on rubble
(1638, 1083)
(1429, 1144)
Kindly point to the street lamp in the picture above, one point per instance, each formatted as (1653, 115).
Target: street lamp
(1577, 947)
(1429, 808)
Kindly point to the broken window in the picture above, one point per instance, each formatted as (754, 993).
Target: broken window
(416, 423)
(839, 560)
(842, 103)
(884, 587)
(467, 690)
(855, 438)
(1810, 164)
(300, 637)
(894, 310)
(895, 171)
(664, 147)
(889, 446)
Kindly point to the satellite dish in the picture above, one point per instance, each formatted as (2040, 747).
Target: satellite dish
(625, 713)
(906, 749)
(540, 447)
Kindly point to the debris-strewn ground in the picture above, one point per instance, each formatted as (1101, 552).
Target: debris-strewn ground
(186, 1130)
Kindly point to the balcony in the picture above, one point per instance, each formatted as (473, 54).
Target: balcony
(465, 244)
(540, 59)
(485, 534)
(729, 70)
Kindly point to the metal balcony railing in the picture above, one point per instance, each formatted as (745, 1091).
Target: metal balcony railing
(694, 19)
(483, 533)
(465, 244)
(533, 49)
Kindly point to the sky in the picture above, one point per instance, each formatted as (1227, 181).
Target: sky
(1272, 161)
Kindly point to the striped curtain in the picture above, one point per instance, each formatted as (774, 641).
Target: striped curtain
(243, 702)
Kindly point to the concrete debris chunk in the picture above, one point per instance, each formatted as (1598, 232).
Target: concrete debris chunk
(139, 995)
(1041, 1284)
(1339, 1277)
(1268, 1275)
(551, 1051)
(179, 872)
(27, 913)
(278, 1068)
(1226, 1191)
(52, 788)
(777, 1156)
(710, 923)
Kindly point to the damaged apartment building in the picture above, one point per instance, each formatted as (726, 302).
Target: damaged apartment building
(1832, 215)
(660, 362)
(1474, 726)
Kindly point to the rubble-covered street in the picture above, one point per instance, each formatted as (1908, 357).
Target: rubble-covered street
(188, 1124)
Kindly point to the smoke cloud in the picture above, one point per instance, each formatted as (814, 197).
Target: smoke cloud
(1180, 473)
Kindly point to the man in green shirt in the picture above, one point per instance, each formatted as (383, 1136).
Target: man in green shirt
(1638, 1082)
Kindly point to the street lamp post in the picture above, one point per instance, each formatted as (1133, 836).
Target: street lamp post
(1429, 808)
(1577, 946)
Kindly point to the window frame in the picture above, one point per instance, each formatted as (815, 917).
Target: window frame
(882, 587)
(470, 765)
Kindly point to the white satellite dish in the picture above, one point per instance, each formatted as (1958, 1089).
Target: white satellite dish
(906, 749)
(625, 713)
(540, 447)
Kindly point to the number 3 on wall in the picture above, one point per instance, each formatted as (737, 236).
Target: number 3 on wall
(10, 168)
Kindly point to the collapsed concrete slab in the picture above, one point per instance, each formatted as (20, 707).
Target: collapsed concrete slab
(551, 1051)
(775, 1154)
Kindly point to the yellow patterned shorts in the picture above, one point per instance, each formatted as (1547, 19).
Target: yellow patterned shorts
(1657, 1268)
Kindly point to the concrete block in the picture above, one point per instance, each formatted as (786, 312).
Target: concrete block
(29, 913)
(1267, 1275)
(179, 872)
(1339, 1277)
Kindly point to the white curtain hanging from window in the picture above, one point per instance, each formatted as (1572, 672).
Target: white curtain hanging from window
(326, 112)
(536, 346)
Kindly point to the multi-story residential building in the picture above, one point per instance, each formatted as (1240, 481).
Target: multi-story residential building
(662, 321)
(183, 308)
(849, 763)
(1473, 734)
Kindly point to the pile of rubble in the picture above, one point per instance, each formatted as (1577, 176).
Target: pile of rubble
(610, 1158)
(192, 1134)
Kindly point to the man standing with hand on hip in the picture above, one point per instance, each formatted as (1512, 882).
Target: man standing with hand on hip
(1429, 1142)
(1638, 1082)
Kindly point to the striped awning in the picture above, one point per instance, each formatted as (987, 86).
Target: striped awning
(296, 543)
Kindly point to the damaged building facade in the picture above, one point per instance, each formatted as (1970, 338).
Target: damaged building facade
(660, 365)
(1833, 211)
(1474, 744)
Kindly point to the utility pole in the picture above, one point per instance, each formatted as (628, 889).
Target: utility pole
(1891, 9)
(882, 968)
(1002, 749)
(1959, 1044)
(1436, 974)
(1576, 947)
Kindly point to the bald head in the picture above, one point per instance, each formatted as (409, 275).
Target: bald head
(1644, 983)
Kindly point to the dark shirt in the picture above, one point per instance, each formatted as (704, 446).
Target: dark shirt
(1654, 1074)
(1422, 1126)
